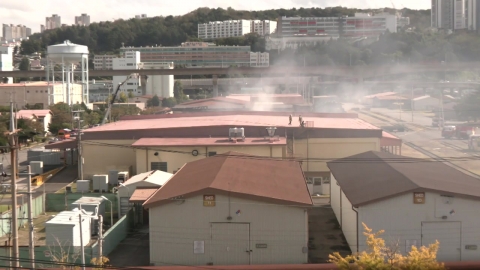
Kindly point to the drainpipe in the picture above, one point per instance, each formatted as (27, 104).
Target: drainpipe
(341, 214)
(356, 212)
(146, 154)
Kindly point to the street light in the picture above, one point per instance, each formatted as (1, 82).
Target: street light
(100, 235)
(111, 209)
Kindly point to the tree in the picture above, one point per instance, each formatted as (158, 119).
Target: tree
(122, 98)
(153, 102)
(169, 102)
(379, 256)
(62, 117)
(130, 95)
(24, 64)
(178, 92)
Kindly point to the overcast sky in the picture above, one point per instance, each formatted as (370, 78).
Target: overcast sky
(32, 13)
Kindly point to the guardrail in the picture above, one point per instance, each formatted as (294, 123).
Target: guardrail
(38, 180)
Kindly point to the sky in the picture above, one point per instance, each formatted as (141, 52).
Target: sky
(32, 13)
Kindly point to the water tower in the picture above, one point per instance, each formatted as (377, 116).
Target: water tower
(67, 63)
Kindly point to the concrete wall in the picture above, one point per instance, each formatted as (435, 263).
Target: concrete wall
(22, 213)
(103, 156)
(402, 220)
(176, 157)
(175, 226)
(346, 216)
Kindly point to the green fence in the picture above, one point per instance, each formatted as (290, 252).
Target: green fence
(57, 202)
(45, 257)
(22, 214)
(115, 234)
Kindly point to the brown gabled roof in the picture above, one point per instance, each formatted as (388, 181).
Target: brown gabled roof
(373, 176)
(254, 177)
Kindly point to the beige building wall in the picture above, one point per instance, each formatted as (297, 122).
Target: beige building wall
(175, 226)
(102, 156)
(37, 92)
(331, 148)
(176, 157)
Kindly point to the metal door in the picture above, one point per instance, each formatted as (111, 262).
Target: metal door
(230, 243)
(448, 235)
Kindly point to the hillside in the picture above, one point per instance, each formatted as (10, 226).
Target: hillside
(107, 37)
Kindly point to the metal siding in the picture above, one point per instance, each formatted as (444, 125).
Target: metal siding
(174, 227)
(402, 220)
(335, 197)
(232, 242)
(447, 233)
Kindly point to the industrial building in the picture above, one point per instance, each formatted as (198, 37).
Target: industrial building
(235, 28)
(129, 61)
(361, 25)
(41, 116)
(415, 201)
(201, 54)
(167, 142)
(160, 85)
(82, 20)
(103, 62)
(230, 209)
(33, 93)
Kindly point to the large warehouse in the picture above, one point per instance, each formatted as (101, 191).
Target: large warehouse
(166, 142)
(231, 209)
(415, 201)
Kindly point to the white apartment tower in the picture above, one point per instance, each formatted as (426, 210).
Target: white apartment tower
(52, 22)
(130, 61)
(263, 28)
(455, 14)
(82, 20)
(232, 28)
(103, 62)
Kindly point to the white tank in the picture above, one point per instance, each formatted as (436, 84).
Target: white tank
(69, 52)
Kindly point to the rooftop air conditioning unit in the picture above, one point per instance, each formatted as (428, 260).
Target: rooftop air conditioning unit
(235, 134)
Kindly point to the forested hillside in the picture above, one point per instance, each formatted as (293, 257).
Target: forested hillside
(105, 37)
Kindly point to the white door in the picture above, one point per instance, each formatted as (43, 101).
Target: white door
(448, 235)
(231, 243)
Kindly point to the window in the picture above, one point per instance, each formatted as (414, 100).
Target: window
(161, 166)
(211, 154)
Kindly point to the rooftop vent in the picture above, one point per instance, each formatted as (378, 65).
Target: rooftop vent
(236, 134)
(271, 134)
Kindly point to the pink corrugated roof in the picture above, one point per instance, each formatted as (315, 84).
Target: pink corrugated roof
(146, 142)
(238, 120)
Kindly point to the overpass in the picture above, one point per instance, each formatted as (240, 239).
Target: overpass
(265, 81)
(355, 72)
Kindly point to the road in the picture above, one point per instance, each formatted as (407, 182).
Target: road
(418, 117)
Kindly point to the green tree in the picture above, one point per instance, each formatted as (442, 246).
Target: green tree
(130, 95)
(122, 98)
(169, 102)
(62, 117)
(178, 92)
(24, 64)
(153, 102)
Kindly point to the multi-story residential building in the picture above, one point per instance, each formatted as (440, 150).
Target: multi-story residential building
(362, 25)
(263, 28)
(52, 22)
(6, 61)
(259, 59)
(11, 32)
(455, 14)
(102, 62)
(402, 21)
(141, 16)
(232, 28)
(197, 54)
(82, 20)
(129, 61)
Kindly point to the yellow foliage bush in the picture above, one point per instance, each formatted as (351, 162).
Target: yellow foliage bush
(379, 256)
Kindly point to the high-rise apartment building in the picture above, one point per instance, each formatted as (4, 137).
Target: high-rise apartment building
(82, 20)
(235, 28)
(12, 32)
(455, 14)
(52, 22)
(141, 16)
(102, 62)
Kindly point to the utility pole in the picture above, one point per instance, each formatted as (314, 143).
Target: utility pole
(13, 155)
(100, 239)
(77, 116)
(31, 244)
